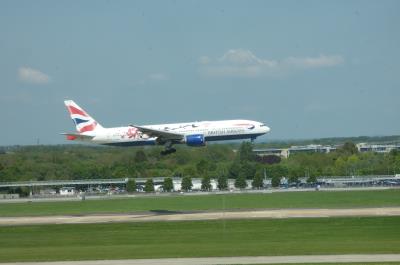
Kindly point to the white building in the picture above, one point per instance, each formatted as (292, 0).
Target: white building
(67, 191)
(377, 148)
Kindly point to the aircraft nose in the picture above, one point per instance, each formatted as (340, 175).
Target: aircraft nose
(264, 128)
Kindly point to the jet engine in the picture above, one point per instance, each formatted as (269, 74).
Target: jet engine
(195, 140)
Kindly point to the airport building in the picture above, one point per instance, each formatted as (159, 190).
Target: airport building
(286, 152)
(313, 148)
(377, 148)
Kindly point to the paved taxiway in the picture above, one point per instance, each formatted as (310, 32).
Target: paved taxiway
(231, 260)
(194, 216)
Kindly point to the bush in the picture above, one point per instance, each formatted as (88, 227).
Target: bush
(275, 181)
(240, 182)
(149, 186)
(222, 183)
(257, 182)
(206, 184)
(186, 184)
(168, 185)
(312, 179)
(131, 185)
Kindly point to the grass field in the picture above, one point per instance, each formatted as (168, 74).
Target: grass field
(198, 239)
(337, 199)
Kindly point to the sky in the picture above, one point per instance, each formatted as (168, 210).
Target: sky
(308, 69)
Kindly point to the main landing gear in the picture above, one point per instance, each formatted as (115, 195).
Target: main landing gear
(168, 151)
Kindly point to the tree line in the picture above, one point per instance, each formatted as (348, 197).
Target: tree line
(68, 162)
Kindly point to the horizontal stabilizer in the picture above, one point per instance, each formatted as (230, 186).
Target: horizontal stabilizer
(77, 136)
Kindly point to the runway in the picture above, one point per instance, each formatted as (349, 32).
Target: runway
(154, 216)
(231, 260)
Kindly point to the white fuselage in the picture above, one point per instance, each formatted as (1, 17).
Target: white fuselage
(211, 130)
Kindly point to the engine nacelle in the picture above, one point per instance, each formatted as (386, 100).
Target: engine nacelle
(195, 140)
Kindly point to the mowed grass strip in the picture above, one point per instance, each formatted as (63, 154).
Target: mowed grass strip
(321, 199)
(368, 235)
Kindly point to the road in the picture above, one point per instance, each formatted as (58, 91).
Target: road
(231, 260)
(194, 216)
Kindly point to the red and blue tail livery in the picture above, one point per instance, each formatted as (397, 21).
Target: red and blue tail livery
(190, 133)
(83, 121)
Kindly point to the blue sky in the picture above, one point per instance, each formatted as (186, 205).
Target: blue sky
(306, 68)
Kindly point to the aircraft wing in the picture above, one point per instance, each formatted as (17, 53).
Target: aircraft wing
(77, 136)
(164, 135)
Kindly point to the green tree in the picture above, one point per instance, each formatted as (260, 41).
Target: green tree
(178, 172)
(312, 179)
(22, 191)
(257, 182)
(186, 183)
(240, 182)
(295, 171)
(348, 148)
(234, 170)
(352, 164)
(131, 185)
(149, 186)
(269, 159)
(189, 171)
(275, 181)
(340, 166)
(396, 165)
(183, 156)
(119, 171)
(140, 156)
(202, 167)
(206, 183)
(222, 182)
(168, 185)
(246, 152)
(247, 170)
(293, 179)
(276, 170)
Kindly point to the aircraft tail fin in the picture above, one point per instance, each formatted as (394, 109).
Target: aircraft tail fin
(83, 121)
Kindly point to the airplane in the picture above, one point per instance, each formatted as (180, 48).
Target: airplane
(193, 134)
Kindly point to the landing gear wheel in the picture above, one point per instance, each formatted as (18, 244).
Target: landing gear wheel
(168, 151)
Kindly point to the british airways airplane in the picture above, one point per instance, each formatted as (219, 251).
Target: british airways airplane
(191, 133)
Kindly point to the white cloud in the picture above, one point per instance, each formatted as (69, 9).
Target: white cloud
(316, 62)
(244, 57)
(243, 63)
(32, 76)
